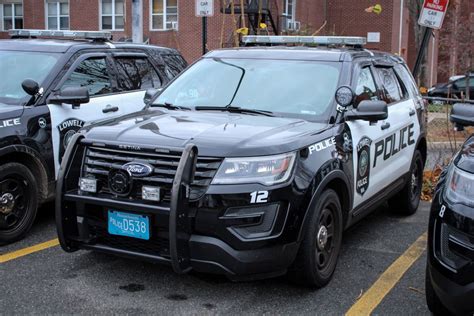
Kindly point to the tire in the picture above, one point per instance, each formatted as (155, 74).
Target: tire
(407, 200)
(432, 300)
(317, 256)
(18, 201)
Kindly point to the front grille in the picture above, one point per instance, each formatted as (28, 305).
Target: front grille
(98, 162)
(155, 246)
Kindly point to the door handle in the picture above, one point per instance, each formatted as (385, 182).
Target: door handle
(110, 108)
(412, 112)
(385, 126)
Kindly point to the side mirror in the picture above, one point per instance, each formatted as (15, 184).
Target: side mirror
(30, 86)
(368, 110)
(149, 94)
(462, 115)
(71, 95)
(344, 96)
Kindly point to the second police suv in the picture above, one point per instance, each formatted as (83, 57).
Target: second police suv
(251, 163)
(47, 74)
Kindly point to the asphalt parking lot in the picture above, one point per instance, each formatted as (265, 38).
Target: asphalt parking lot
(51, 281)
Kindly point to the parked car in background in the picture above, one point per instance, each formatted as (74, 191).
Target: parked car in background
(50, 89)
(450, 265)
(454, 88)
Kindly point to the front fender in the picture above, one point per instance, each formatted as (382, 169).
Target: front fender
(326, 176)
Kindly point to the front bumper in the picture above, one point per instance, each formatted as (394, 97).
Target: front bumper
(451, 254)
(458, 299)
(219, 233)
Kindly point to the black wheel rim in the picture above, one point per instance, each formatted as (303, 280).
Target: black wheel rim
(416, 181)
(327, 240)
(14, 200)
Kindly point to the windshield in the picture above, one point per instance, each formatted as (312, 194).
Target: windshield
(294, 88)
(18, 66)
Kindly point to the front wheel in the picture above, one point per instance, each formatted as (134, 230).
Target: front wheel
(18, 201)
(317, 257)
(406, 201)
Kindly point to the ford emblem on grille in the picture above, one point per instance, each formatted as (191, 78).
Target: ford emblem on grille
(138, 169)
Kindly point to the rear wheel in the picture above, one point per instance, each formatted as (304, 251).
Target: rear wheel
(319, 250)
(406, 201)
(18, 201)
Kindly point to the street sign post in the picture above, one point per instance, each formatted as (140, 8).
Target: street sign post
(433, 12)
(204, 9)
(431, 17)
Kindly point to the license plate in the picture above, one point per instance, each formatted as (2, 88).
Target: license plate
(129, 225)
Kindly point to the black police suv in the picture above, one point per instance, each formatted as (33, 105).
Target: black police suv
(45, 80)
(251, 163)
(450, 265)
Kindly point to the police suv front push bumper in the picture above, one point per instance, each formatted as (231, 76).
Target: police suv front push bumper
(180, 247)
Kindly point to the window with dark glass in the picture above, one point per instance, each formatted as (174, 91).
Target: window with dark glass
(136, 74)
(366, 89)
(112, 14)
(57, 14)
(407, 80)
(174, 65)
(12, 16)
(390, 85)
(93, 74)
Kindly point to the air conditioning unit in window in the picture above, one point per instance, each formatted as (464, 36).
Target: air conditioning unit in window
(293, 26)
(174, 25)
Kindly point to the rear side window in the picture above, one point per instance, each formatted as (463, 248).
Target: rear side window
(365, 89)
(407, 80)
(174, 64)
(136, 74)
(93, 74)
(390, 85)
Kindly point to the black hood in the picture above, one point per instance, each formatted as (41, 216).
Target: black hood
(8, 111)
(219, 134)
(465, 157)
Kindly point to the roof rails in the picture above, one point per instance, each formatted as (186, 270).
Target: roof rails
(351, 41)
(90, 35)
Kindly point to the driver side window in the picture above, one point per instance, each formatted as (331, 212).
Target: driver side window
(366, 89)
(93, 74)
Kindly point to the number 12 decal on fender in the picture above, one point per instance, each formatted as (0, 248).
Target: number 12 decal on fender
(259, 197)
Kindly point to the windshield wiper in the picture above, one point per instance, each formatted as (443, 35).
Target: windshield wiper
(170, 106)
(234, 109)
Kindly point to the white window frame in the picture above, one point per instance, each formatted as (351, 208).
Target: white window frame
(113, 15)
(58, 15)
(291, 17)
(164, 14)
(12, 4)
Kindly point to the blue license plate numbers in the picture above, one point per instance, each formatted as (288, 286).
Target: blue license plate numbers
(129, 225)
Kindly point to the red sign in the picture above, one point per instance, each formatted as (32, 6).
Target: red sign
(433, 12)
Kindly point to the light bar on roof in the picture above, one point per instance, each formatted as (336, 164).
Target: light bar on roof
(62, 34)
(317, 40)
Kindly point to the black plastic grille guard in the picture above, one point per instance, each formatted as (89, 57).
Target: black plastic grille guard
(178, 220)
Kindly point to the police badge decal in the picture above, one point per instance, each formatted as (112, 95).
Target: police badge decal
(363, 165)
(67, 129)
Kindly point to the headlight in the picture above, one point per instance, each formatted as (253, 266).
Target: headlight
(460, 187)
(267, 170)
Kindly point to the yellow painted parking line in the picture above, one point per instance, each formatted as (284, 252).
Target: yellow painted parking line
(372, 298)
(29, 250)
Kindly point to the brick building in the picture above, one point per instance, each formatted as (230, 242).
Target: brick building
(173, 22)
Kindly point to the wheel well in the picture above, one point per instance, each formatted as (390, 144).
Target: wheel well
(423, 150)
(340, 187)
(35, 166)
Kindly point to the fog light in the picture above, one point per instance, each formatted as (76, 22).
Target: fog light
(88, 185)
(150, 193)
